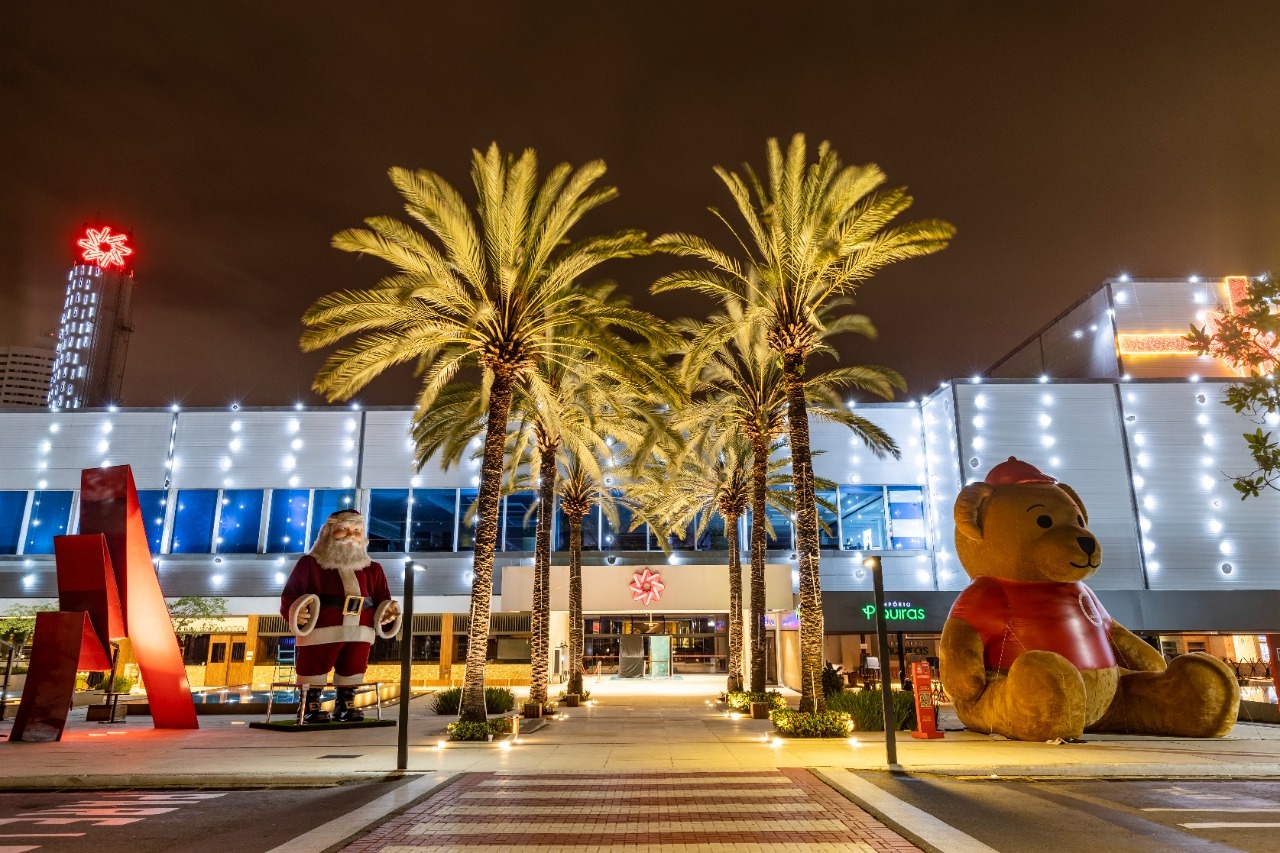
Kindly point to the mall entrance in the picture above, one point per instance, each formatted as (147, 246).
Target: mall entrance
(699, 643)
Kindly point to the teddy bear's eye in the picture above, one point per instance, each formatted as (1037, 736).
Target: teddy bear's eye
(1044, 521)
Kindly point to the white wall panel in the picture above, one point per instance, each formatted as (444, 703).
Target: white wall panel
(53, 447)
(388, 458)
(1071, 432)
(942, 458)
(1197, 532)
(845, 459)
(266, 449)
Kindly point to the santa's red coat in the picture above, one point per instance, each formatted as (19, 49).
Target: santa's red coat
(333, 626)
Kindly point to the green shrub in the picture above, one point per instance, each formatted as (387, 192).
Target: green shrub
(832, 679)
(469, 730)
(582, 697)
(123, 684)
(497, 700)
(740, 700)
(866, 708)
(824, 724)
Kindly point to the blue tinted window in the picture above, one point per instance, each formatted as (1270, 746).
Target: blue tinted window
(287, 521)
(467, 523)
(388, 519)
(12, 506)
(781, 523)
(240, 522)
(829, 538)
(432, 527)
(590, 530)
(193, 521)
(623, 538)
(325, 502)
(906, 518)
(675, 541)
(50, 514)
(862, 518)
(521, 522)
(153, 503)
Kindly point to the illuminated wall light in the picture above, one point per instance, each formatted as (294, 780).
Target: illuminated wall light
(1206, 482)
(296, 444)
(1149, 502)
(294, 481)
(1153, 566)
(351, 425)
(234, 445)
(1215, 526)
(106, 427)
(216, 580)
(1208, 441)
(1045, 420)
(1144, 523)
(1225, 549)
(1047, 399)
(1047, 440)
(979, 401)
(1206, 460)
(346, 481)
(1055, 462)
(225, 463)
(978, 443)
(235, 426)
(54, 427)
(1202, 419)
(289, 462)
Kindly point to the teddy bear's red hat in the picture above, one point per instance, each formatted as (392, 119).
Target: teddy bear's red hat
(1015, 472)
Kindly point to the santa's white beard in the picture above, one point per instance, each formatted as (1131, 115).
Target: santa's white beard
(333, 553)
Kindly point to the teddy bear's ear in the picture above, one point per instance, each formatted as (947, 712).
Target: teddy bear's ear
(1071, 493)
(968, 507)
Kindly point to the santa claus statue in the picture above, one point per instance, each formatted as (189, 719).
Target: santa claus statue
(335, 602)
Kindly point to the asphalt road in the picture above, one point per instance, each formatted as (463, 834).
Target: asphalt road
(1101, 816)
(189, 821)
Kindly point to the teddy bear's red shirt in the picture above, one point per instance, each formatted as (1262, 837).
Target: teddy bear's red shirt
(1013, 617)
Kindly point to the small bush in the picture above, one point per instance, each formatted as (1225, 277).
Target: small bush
(497, 700)
(470, 730)
(123, 684)
(824, 724)
(866, 709)
(741, 700)
(832, 679)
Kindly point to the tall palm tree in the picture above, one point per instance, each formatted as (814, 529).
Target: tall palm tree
(816, 236)
(494, 290)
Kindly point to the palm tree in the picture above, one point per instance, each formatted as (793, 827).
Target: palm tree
(496, 290)
(816, 232)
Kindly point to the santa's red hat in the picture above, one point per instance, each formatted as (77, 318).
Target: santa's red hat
(1015, 472)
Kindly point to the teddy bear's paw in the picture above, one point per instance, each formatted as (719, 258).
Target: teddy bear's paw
(1206, 686)
(1044, 698)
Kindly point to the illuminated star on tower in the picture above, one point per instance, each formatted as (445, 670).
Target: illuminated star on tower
(104, 248)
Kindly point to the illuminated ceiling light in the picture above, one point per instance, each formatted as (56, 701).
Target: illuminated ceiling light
(1206, 460)
(43, 484)
(1195, 377)
(280, 577)
(346, 481)
(1122, 296)
(1124, 276)
(173, 407)
(1044, 377)
(297, 407)
(216, 580)
(28, 580)
(1125, 378)
(1153, 566)
(103, 248)
(355, 407)
(103, 445)
(1148, 547)
(1198, 297)
(976, 380)
(1077, 334)
(351, 425)
(1195, 279)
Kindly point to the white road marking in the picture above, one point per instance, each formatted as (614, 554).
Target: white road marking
(1229, 825)
(1218, 809)
(343, 827)
(897, 813)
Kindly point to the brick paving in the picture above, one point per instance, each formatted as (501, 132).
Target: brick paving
(671, 812)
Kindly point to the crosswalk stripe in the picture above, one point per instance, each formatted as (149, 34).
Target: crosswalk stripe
(706, 827)
(628, 796)
(633, 847)
(513, 781)
(687, 809)
(1229, 825)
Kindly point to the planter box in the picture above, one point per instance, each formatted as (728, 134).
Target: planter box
(532, 710)
(105, 713)
(759, 710)
(571, 700)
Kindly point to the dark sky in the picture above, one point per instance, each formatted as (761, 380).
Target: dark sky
(1066, 141)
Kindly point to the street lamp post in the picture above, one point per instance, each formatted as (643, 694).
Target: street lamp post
(406, 669)
(882, 640)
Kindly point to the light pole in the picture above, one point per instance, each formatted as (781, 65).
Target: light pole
(406, 668)
(882, 641)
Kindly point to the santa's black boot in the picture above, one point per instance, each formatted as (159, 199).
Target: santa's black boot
(314, 714)
(344, 709)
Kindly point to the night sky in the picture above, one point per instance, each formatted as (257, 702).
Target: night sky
(1067, 142)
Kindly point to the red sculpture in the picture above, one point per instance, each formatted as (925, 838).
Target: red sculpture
(107, 590)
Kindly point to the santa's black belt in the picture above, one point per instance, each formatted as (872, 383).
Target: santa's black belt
(350, 604)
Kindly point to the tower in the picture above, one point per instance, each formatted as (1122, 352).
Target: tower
(25, 375)
(97, 318)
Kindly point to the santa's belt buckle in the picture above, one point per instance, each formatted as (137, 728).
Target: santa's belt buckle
(353, 605)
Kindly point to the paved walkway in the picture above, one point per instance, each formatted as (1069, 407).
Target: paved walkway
(787, 810)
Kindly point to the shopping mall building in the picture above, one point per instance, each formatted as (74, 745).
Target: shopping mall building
(1106, 398)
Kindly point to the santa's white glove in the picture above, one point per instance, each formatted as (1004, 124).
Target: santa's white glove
(304, 614)
(390, 614)
(386, 619)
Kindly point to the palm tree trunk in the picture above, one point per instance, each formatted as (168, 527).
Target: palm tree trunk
(540, 618)
(759, 484)
(495, 438)
(735, 604)
(807, 555)
(575, 606)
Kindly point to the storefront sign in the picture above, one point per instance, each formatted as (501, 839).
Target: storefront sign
(926, 716)
(896, 611)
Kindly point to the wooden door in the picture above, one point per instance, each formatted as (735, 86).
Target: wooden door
(215, 669)
(239, 661)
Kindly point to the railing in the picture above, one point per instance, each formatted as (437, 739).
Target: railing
(1245, 670)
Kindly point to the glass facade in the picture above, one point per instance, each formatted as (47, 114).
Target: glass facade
(906, 518)
(622, 537)
(13, 505)
(287, 521)
(466, 527)
(432, 526)
(862, 518)
(239, 521)
(193, 521)
(154, 502)
(590, 530)
(520, 517)
(388, 520)
(50, 517)
(828, 522)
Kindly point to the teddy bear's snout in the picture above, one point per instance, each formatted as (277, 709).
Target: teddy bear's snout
(1087, 544)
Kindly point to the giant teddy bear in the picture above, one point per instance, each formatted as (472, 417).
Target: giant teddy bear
(336, 601)
(1029, 652)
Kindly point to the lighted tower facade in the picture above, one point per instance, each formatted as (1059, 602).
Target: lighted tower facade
(97, 319)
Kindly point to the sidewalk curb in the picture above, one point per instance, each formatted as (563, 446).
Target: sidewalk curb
(104, 781)
(917, 826)
(1100, 771)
